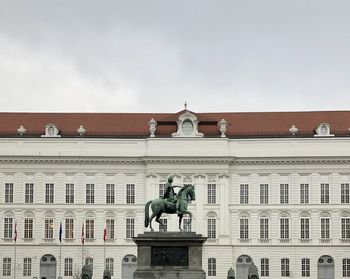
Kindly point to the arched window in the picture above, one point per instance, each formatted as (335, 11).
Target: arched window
(211, 267)
(345, 225)
(325, 225)
(264, 226)
(244, 226)
(304, 225)
(284, 226)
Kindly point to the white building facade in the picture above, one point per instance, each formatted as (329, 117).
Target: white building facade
(281, 202)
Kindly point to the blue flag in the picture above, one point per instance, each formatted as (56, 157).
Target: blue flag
(60, 233)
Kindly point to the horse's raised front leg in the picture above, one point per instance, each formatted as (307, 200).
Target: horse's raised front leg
(180, 220)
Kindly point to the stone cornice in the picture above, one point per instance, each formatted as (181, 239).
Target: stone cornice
(292, 161)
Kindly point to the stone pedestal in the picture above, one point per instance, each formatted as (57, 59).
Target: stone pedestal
(169, 255)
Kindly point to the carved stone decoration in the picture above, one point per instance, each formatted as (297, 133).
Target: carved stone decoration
(81, 130)
(152, 127)
(21, 130)
(222, 127)
(293, 130)
(187, 126)
(323, 130)
(51, 131)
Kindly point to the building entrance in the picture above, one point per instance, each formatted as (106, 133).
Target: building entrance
(325, 268)
(242, 266)
(129, 266)
(48, 266)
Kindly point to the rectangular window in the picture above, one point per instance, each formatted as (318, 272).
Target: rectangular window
(244, 194)
(49, 193)
(8, 227)
(285, 267)
(27, 267)
(130, 227)
(9, 192)
(284, 193)
(161, 190)
(187, 225)
(211, 267)
(49, 228)
(211, 193)
(28, 228)
(324, 193)
(284, 228)
(265, 268)
(90, 229)
(165, 224)
(243, 228)
(130, 193)
(211, 228)
(264, 228)
(110, 228)
(69, 228)
(304, 228)
(6, 266)
(29, 193)
(324, 228)
(110, 265)
(304, 193)
(345, 228)
(344, 192)
(90, 193)
(68, 267)
(264, 193)
(69, 193)
(346, 267)
(305, 267)
(110, 193)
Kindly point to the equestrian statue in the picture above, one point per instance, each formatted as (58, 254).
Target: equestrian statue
(170, 203)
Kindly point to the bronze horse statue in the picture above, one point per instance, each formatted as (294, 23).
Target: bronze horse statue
(163, 205)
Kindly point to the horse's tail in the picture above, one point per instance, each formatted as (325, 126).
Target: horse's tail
(147, 213)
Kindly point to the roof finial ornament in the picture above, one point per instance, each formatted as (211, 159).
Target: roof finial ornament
(185, 105)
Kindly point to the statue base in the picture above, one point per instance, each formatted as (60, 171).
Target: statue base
(169, 255)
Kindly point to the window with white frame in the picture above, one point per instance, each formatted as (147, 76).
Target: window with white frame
(211, 193)
(211, 267)
(130, 227)
(69, 193)
(345, 228)
(68, 267)
(264, 228)
(49, 193)
(48, 228)
(344, 192)
(8, 192)
(305, 267)
(110, 193)
(110, 265)
(264, 193)
(325, 228)
(6, 266)
(8, 227)
(187, 225)
(265, 267)
(346, 267)
(69, 228)
(285, 267)
(165, 225)
(211, 228)
(90, 193)
(89, 228)
(161, 190)
(243, 228)
(304, 193)
(284, 193)
(27, 267)
(304, 228)
(29, 193)
(130, 193)
(244, 194)
(324, 193)
(110, 228)
(284, 228)
(28, 228)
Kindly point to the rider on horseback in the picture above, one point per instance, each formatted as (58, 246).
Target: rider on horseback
(169, 193)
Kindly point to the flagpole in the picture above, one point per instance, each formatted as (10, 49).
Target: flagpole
(104, 246)
(15, 238)
(60, 238)
(82, 245)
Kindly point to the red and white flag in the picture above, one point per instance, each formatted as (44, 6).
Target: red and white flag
(15, 233)
(82, 234)
(104, 233)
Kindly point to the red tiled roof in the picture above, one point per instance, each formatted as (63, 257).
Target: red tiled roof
(245, 124)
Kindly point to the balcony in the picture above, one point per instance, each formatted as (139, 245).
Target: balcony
(264, 240)
(244, 240)
(284, 240)
(325, 241)
(305, 241)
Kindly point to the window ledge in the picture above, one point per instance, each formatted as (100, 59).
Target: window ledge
(284, 240)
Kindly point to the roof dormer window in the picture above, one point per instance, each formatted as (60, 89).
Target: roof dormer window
(323, 130)
(51, 131)
(187, 126)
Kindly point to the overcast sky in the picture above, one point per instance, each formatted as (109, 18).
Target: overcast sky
(152, 56)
